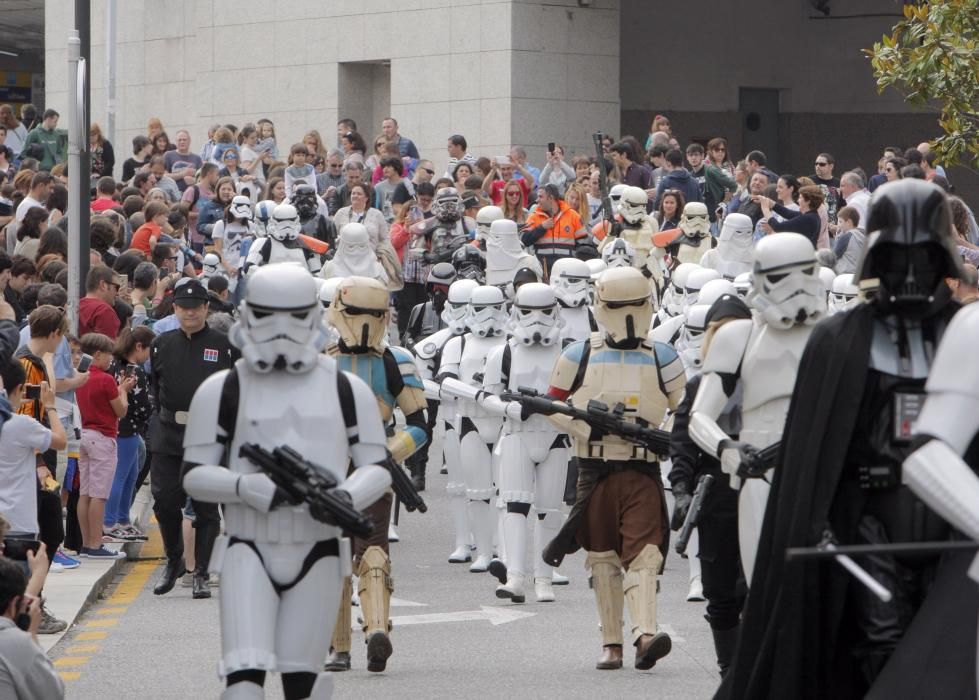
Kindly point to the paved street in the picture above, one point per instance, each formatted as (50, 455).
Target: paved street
(452, 637)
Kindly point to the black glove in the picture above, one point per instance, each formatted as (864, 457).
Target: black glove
(681, 505)
(282, 496)
(324, 515)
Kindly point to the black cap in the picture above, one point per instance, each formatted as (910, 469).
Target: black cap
(190, 292)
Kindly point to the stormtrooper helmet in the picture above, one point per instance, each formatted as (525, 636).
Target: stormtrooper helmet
(263, 215)
(632, 205)
(285, 225)
(619, 254)
(673, 296)
(487, 316)
(280, 325)
(470, 263)
(456, 310)
(845, 293)
(692, 335)
(241, 208)
(615, 194)
(695, 282)
(571, 280)
(328, 291)
(742, 283)
(360, 313)
(448, 206)
(304, 200)
(714, 290)
(210, 266)
(785, 282)
(534, 319)
(623, 305)
(484, 220)
(826, 278)
(694, 221)
(596, 266)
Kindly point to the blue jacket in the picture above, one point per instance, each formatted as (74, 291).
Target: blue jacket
(678, 179)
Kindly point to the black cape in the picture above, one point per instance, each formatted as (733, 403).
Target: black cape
(793, 644)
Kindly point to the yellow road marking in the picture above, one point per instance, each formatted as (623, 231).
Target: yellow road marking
(111, 611)
(90, 636)
(112, 622)
(69, 675)
(69, 661)
(82, 649)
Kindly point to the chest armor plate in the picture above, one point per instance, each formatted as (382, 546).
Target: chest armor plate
(768, 373)
(630, 377)
(576, 323)
(279, 253)
(691, 254)
(473, 362)
(641, 239)
(370, 368)
(530, 366)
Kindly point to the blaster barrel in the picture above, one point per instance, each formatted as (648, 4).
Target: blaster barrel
(693, 515)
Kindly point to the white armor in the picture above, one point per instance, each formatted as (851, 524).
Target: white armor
(619, 253)
(691, 339)
(695, 281)
(505, 255)
(533, 454)
(826, 279)
(282, 243)
(735, 247)
(211, 266)
(743, 284)
(354, 256)
(293, 402)
(673, 293)
(463, 357)
(764, 354)
(844, 294)
(571, 279)
(695, 225)
(484, 219)
(637, 230)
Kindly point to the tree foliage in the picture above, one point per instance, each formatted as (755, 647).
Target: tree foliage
(932, 57)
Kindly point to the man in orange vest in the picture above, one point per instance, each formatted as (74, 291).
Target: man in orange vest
(554, 229)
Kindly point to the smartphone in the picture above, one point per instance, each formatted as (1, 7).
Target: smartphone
(17, 549)
(32, 392)
(85, 362)
(130, 370)
(550, 147)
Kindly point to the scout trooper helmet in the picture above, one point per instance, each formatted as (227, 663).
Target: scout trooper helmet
(241, 208)
(484, 220)
(280, 325)
(826, 278)
(285, 226)
(632, 205)
(845, 293)
(571, 280)
(456, 311)
(785, 281)
(694, 221)
(360, 313)
(487, 313)
(619, 253)
(535, 319)
(623, 305)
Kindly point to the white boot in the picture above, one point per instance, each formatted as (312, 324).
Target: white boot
(460, 524)
(483, 518)
(544, 531)
(559, 579)
(513, 588)
(246, 690)
(695, 594)
(543, 589)
(514, 527)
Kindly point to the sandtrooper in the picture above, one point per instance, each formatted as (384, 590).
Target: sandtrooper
(764, 354)
(693, 242)
(735, 247)
(463, 358)
(637, 229)
(282, 243)
(571, 280)
(281, 569)
(428, 357)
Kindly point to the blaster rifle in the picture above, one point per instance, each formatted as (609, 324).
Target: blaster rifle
(613, 227)
(760, 462)
(693, 515)
(403, 488)
(304, 482)
(597, 415)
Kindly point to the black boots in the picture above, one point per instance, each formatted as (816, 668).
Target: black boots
(204, 536)
(725, 642)
(172, 571)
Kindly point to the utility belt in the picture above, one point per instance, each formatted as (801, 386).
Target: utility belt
(174, 417)
(619, 452)
(604, 468)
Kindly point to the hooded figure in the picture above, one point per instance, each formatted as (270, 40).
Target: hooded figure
(735, 247)
(354, 256)
(505, 255)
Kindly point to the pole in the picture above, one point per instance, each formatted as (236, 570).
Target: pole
(75, 183)
(80, 207)
(110, 71)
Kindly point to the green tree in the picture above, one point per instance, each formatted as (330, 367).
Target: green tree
(932, 58)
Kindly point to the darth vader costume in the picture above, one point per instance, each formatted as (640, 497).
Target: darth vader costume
(809, 629)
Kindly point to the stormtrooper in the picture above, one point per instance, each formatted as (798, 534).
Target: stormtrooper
(360, 313)
(694, 238)
(735, 247)
(637, 229)
(327, 293)
(844, 294)
(619, 517)
(669, 331)
(826, 279)
(470, 263)
(484, 219)
(571, 280)
(619, 253)
(691, 338)
(281, 569)
(311, 222)
(425, 319)
(743, 284)
(211, 267)
(436, 239)
(282, 243)
(505, 255)
(764, 354)
(673, 294)
(263, 216)
(354, 256)
(855, 408)
(428, 357)
(463, 358)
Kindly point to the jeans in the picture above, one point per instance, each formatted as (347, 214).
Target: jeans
(124, 482)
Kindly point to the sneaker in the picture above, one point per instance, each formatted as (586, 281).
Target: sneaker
(113, 536)
(55, 568)
(50, 624)
(134, 534)
(102, 552)
(64, 560)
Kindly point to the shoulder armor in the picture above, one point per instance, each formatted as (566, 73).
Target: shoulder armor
(951, 370)
(406, 366)
(202, 424)
(429, 346)
(728, 346)
(574, 351)
(665, 353)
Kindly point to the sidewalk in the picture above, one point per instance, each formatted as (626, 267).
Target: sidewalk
(72, 591)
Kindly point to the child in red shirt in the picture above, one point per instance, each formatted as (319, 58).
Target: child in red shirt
(148, 235)
(102, 401)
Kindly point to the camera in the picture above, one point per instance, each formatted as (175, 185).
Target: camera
(32, 392)
(17, 549)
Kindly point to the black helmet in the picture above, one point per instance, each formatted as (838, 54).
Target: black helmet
(910, 249)
(523, 276)
(470, 263)
(304, 200)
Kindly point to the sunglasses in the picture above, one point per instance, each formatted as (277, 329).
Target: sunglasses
(820, 165)
(427, 170)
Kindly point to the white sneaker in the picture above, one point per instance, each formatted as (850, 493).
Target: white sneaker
(513, 588)
(56, 568)
(461, 555)
(480, 564)
(543, 590)
(696, 592)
